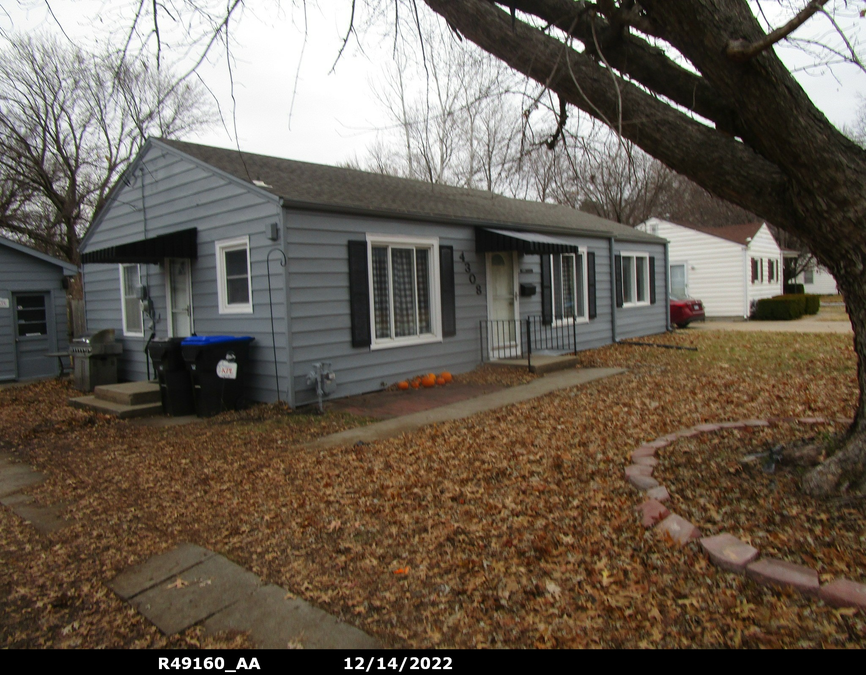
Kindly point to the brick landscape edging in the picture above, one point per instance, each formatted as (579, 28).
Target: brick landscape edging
(725, 550)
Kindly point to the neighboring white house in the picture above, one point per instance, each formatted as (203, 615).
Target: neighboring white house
(815, 278)
(727, 268)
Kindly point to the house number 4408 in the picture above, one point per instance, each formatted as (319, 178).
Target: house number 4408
(472, 278)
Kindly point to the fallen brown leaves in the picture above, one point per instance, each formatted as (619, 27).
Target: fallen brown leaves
(513, 528)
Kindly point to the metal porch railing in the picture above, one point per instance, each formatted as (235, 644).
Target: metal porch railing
(520, 338)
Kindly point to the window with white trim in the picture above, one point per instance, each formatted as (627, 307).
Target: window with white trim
(130, 301)
(404, 283)
(233, 276)
(569, 287)
(635, 279)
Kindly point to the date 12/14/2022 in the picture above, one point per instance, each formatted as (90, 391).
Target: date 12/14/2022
(399, 665)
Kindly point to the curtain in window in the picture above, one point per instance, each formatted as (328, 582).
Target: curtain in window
(568, 290)
(403, 278)
(422, 275)
(381, 295)
(641, 278)
(628, 278)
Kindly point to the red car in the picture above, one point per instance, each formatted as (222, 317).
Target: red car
(686, 310)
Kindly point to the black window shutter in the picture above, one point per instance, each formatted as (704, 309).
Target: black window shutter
(652, 275)
(590, 274)
(546, 292)
(359, 294)
(617, 273)
(446, 281)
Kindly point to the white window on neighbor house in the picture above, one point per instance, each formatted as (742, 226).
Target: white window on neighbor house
(130, 300)
(233, 276)
(772, 272)
(635, 279)
(809, 275)
(404, 280)
(569, 276)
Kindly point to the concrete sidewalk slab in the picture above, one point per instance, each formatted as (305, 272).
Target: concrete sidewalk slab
(191, 585)
(195, 594)
(16, 477)
(455, 411)
(275, 621)
(158, 569)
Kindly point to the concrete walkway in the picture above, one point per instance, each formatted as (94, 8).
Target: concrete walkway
(455, 411)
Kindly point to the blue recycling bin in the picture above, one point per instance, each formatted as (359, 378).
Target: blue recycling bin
(217, 365)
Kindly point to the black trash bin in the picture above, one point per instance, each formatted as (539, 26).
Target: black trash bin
(175, 384)
(217, 364)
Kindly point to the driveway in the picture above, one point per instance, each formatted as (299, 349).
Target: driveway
(831, 319)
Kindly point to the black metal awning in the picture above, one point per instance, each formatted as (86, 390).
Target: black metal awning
(182, 244)
(488, 240)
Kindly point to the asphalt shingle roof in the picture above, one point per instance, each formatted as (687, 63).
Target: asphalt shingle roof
(317, 186)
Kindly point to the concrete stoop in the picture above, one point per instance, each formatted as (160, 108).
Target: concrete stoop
(191, 585)
(126, 400)
(540, 363)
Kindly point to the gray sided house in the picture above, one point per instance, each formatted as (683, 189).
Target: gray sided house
(385, 278)
(33, 319)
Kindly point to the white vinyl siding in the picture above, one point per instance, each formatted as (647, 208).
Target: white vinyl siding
(715, 268)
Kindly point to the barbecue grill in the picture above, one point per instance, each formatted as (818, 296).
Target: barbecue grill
(94, 357)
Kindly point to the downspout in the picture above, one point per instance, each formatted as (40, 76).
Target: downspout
(667, 288)
(612, 293)
(290, 360)
(747, 281)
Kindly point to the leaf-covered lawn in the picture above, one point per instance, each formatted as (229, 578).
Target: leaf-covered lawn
(514, 528)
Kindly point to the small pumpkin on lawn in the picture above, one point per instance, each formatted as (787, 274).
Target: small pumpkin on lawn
(429, 380)
(440, 381)
(446, 376)
(403, 386)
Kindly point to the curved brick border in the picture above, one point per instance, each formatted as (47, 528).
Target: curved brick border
(725, 550)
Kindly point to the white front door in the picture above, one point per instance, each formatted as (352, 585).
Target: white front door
(502, 307)
(179, 298)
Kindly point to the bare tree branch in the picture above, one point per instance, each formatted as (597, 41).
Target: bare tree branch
(742, 50)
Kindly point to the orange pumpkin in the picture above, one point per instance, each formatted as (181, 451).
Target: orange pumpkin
(429, 380)
(446, 376)
(416, 383)
(402, 386)
(440, 381)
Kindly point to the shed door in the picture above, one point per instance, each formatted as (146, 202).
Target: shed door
(32, 339)
(180, 298)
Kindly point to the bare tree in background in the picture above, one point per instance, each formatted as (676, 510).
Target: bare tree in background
(70, 121)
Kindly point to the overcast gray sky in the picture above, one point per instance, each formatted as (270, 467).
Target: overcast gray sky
(335, 115)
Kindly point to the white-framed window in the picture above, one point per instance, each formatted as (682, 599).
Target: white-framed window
(404, 283)
(569, 285)
(130, 300)
(635, 279)
(234, 286)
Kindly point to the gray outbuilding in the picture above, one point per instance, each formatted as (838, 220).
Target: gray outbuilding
(384, 278)
(33, 315)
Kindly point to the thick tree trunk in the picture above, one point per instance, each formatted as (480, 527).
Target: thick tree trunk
(846, 469)
(784, 161)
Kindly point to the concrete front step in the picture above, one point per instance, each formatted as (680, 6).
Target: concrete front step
(541, 363)
(117, 409)
(129, 393)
